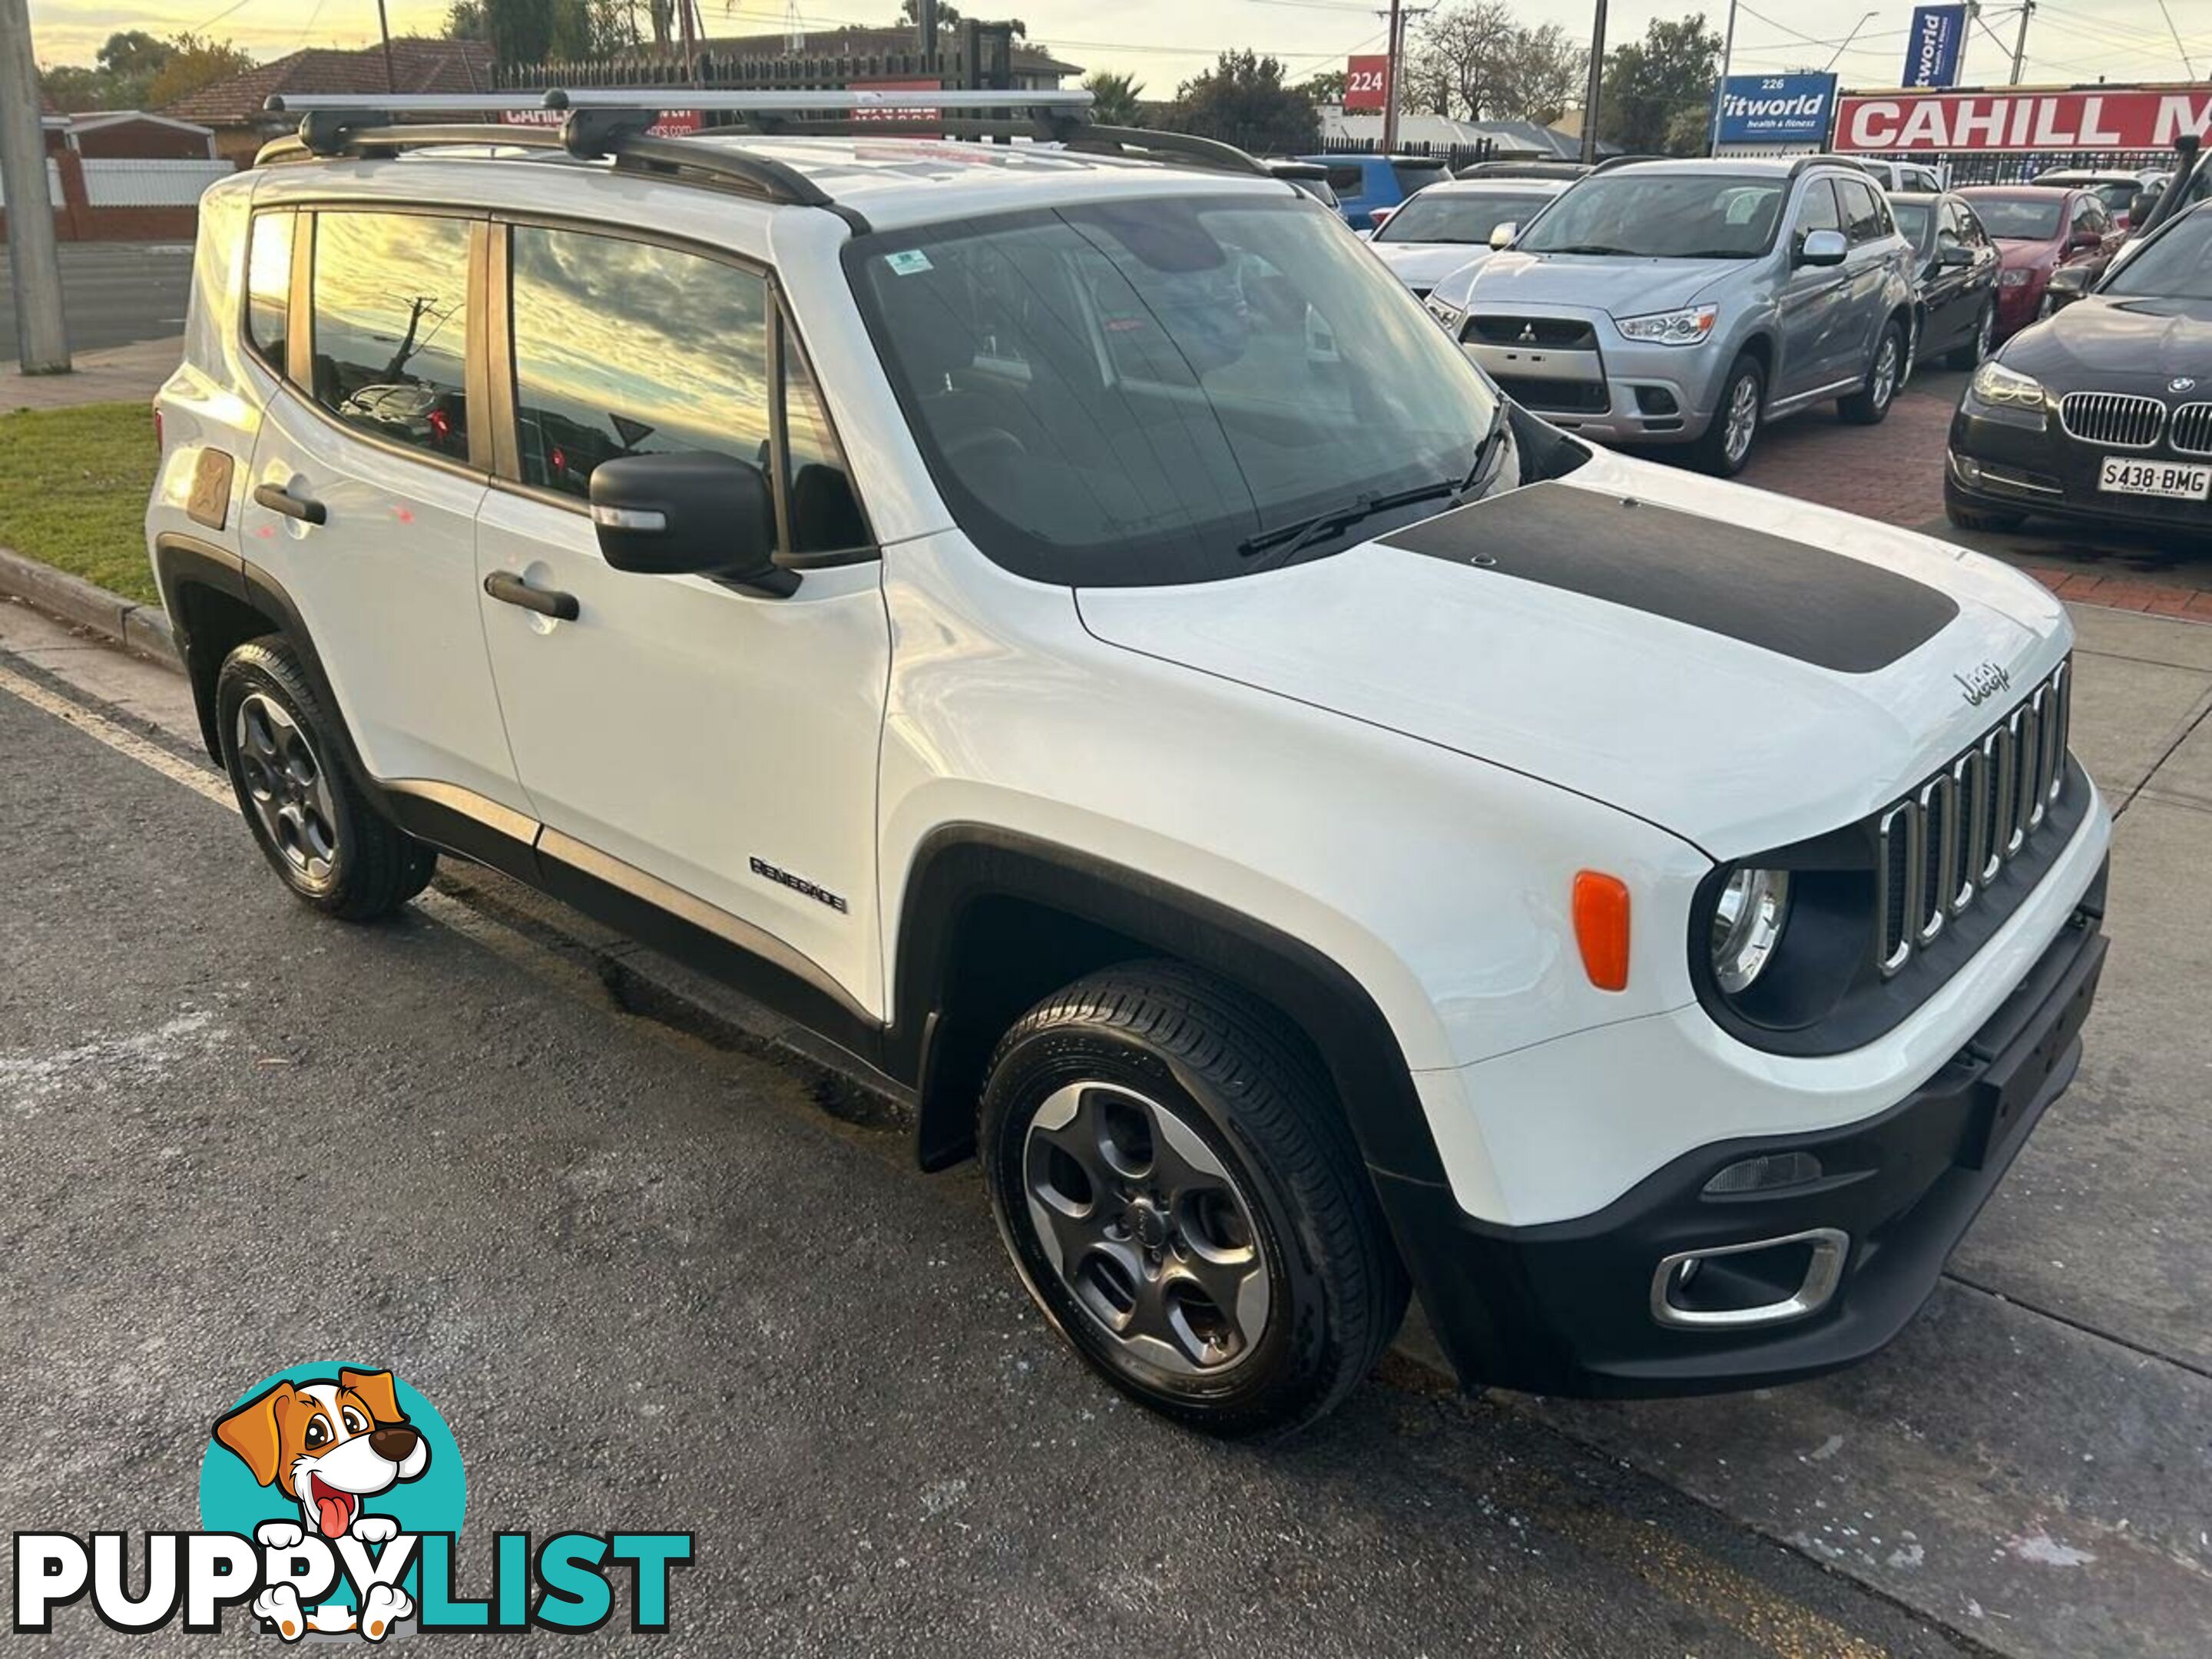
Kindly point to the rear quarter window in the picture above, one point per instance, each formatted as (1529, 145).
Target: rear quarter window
(269, 287)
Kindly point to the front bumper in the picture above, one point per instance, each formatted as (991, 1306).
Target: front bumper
(1598, 383)
(1568, 1308)
(1998, 466)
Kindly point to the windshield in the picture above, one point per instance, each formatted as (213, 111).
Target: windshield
(2174, 265)
(1123, 393)
(1912, 220)
(2022, 218)
(1460, 216)
(1662, 215)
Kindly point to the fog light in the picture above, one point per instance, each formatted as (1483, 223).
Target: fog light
(1968, 469)
(1764, 1174)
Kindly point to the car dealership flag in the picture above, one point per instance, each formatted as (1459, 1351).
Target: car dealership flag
(1933, 46)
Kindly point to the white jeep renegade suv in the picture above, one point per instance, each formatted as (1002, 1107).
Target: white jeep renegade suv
(1310, 828)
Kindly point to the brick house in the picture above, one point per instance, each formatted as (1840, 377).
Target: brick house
(234, 107)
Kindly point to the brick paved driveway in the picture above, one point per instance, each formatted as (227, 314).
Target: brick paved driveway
(1894, 472)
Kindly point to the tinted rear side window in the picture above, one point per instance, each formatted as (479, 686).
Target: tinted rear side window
(269, 287)
(1864, 216)
(391, 324)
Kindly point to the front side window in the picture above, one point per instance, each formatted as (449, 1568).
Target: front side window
(1469, 216)
(1864, 215)
(1817, 210)
(622, 347)
(390, 326)
(1650, 214)
(269, 287)
(1129, 393)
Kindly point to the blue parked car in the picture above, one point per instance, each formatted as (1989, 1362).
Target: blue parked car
(1364, 183)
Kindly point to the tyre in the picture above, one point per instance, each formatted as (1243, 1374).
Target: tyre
(1727, 440)
(323, 837)
(1966, 516)
(1870, 404)
(1977, 345)
(1183, 1198)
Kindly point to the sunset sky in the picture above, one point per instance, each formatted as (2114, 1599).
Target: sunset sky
(1162, 41)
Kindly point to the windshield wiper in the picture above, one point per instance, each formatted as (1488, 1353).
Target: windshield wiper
(1583, 247)
(1714, 253)
(1284, 542)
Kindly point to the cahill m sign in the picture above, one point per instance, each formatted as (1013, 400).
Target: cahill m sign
(2021, 119)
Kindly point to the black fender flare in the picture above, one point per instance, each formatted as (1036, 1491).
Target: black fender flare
(959, 865)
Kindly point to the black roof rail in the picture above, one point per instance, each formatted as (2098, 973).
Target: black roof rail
(1824, 159)
(615, 124)
(1613, 161)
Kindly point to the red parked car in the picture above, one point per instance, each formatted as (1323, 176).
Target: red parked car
(2037, 229)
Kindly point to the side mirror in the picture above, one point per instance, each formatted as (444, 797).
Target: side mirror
(689, 514)
(1823, 248)
(2067, 283)
(1501, 236)
(2139, 207)
(1950, 251)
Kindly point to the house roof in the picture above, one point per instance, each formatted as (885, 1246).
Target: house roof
(853, 41)
(418, 65)
(91, 120)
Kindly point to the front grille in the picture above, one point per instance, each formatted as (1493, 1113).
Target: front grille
(1945, 844)
(1556, 397)
(2117, 418)
(1558, 333)
(2190, 431)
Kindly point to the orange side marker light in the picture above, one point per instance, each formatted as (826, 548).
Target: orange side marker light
(1602, 928)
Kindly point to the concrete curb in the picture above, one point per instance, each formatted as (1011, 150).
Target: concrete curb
(143, 627)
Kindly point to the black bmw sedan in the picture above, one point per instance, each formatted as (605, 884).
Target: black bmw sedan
(2104, 411)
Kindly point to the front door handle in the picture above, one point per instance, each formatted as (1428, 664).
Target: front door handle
(277, 499)
(510, 589)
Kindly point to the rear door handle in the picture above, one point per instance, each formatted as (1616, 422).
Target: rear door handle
(277, 499)
(510, 589)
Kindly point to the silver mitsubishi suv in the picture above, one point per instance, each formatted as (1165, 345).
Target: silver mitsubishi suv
(1688, 302)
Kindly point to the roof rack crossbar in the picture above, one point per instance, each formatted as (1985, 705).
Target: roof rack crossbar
(660, 98)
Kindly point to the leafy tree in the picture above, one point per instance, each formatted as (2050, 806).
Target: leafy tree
(1115, 99)
(1658, 92)
(1476, 61)
(198, 60)
(910, 13)
(131, 53)
(520, 30)
(1242, 100)
(466, 20)
(1326, 87)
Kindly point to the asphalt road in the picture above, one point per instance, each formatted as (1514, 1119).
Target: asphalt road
(112, 294)
(651, 1285)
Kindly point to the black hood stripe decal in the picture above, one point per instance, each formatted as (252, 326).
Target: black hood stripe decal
(1801, 601)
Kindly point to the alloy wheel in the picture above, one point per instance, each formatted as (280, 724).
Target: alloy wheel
(1147, 1228)
(284, 783)
(1742, 418)
(1884, 370)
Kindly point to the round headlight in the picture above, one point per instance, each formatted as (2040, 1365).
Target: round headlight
(1747, 923)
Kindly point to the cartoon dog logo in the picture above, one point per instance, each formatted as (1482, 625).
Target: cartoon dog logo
(329, 1445)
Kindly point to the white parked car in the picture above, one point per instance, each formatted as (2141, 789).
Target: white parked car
(1445, 225)
(1311, 830)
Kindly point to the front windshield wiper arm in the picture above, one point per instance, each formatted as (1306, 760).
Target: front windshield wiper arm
(1286, 542)
(1583, 247)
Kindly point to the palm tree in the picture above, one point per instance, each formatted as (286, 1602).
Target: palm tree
(1113, 99)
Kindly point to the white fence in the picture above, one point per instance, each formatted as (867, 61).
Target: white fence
(145, 183)
(53, 185)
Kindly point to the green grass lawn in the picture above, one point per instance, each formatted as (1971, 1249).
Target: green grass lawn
(73, 487)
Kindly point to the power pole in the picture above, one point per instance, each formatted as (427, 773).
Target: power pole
(1397, 50)
(1967, 25)
(1596, 82)
(41, 335)
(384, 28)
(1720, 87)
(2019, 47)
